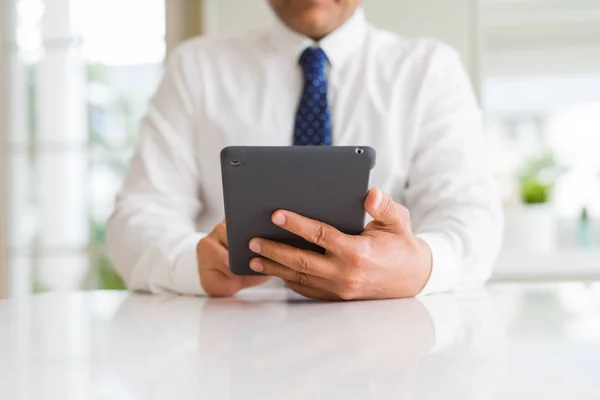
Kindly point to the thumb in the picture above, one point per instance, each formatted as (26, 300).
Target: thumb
(386, 212)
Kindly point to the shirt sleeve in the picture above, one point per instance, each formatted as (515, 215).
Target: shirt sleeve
(151, 236)
(451, 194)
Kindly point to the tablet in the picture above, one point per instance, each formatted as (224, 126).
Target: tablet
(328, 184)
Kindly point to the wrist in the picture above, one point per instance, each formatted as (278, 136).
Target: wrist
(424, 265)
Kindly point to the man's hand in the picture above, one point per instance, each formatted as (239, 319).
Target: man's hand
(386, 261)
(213, 261)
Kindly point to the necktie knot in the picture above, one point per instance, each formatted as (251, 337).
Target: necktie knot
(313, 61)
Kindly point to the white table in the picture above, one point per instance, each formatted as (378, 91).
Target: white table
(509, 342)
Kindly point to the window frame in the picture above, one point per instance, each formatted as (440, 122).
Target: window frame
(3, 72)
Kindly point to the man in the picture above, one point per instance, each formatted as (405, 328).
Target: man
(322, 76)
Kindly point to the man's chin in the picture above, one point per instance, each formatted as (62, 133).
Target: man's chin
(314, 23)
(315, 3)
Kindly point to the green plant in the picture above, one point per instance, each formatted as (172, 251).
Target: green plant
(37, 287)
(537, 179)
(534, 192)
(108, 279)
(101, 274)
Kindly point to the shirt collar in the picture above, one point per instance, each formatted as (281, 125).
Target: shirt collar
(338, 45)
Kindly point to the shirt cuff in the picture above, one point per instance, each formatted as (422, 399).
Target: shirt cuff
(185, 275)
(445, 317)
(444, 266)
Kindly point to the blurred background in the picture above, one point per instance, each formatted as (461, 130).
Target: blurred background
(76, 75)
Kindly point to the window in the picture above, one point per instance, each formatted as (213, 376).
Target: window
(77, 91)
(541, 94)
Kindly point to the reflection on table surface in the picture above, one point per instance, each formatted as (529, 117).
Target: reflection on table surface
(271, 344)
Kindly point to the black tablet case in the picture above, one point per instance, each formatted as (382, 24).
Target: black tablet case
(328, 184)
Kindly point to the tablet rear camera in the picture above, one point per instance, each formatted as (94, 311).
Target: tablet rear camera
(359, 151)
(236, 163)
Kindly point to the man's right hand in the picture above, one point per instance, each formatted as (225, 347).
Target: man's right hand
(213, 261)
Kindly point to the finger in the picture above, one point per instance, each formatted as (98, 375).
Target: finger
(224, 267)
(316, 232)
(272, 268)
(221, 259)
(219, 281)
(220, 233)
(312, 293)
(212, 255)
(221, 284)
(301, 261)
(386, 212)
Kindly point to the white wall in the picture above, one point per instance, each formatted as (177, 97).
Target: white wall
(453, 21)
(222, 17)
(542, 37)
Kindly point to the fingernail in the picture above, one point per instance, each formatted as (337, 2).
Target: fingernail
(279, 219)
(255, 246)
(256, 266)
(378, 198)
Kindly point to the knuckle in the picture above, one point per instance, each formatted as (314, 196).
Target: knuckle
(301, 265)
(353, 280)
(206, 246)
(347, 294)
(355, 258)
(359, 254)
(202, 244)
(302, 278)
(389, 207)
(351, 285)
(320, 236)
(269, 251)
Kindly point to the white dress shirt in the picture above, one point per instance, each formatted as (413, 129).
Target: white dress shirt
(410, 99)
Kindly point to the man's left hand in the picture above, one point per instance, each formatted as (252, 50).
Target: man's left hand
(386, 261)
